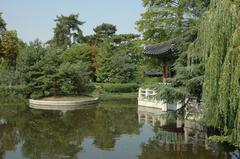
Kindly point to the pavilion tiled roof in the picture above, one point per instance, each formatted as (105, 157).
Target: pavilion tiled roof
(163, 48)
(153, 73)
(168, 48)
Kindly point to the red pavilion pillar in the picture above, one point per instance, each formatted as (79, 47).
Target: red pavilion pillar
(164, 70)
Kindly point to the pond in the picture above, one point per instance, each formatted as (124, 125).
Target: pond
(117, 129)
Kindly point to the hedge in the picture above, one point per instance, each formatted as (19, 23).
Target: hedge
(12, 90)
(117, 87)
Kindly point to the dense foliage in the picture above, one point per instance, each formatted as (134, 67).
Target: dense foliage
(168, 20)
(115, 65)
(53, 71)
(165, 19)
(221, 56)
(67, 31)
(69, 62)
(117, 87)
(102, 32)
(118, 58)
(206, 67)
(213, 61)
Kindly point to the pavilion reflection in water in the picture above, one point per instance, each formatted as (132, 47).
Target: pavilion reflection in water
(174, 133)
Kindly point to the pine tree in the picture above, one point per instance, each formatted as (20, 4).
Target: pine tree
(102, 32)
(164, 19)
(2, 24)
(104, 63)
(67, 31)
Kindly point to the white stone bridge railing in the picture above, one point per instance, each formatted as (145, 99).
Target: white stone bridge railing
(147, 97)
(146, 93)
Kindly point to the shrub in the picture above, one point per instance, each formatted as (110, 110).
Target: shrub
(117, 87)
(53, 71)
(12, 90)
(152, 80)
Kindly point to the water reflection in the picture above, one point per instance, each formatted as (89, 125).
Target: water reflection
(56, 134)
(175, 137)
(115, 129)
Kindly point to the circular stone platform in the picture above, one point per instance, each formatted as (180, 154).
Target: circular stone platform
(63, 103)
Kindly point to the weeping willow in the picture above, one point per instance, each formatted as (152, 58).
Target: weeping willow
(218, 48)
(229, 95)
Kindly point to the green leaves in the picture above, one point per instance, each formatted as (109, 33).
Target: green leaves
(52, 71)
(168, 18)
(216, 53)
(116, 64)
(2, 24)
(9, 43)
(67, 31)
(105, 30)
(102, 32)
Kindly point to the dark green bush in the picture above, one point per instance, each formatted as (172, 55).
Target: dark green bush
(52, 71)
(89, 88)
(117, 87)
(12, 90)
(152, 80)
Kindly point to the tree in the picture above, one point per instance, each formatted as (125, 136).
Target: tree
(29, 67)
(73, 77)
(102, 32)
(221, 82)
(105, 30)
(38, 67)
(78, 53)
(67, 31)
(2, 29)
(123, 68)
(166, 18)
(2, 24)
(117, 63)
(8, 74)
(9, 48)
(217, 50)
(124, 39)
(53, 71)
(79, 66)
(84, 53)
(103, 64)
(188, 79)
(9, 45)
(170, 19)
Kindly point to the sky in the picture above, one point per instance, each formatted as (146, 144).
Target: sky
(35, 18)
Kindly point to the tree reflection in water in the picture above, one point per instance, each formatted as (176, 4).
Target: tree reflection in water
(55, 134)
(176, 138)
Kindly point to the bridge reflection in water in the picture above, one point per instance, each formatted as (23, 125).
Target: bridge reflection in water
(173, 133)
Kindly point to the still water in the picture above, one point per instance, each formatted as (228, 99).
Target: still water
(113, 130)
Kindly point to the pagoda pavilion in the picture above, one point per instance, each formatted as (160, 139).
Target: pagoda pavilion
(166, 52)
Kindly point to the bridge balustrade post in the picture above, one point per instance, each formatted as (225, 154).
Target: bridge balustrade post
(140, 93)
(147, 93)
